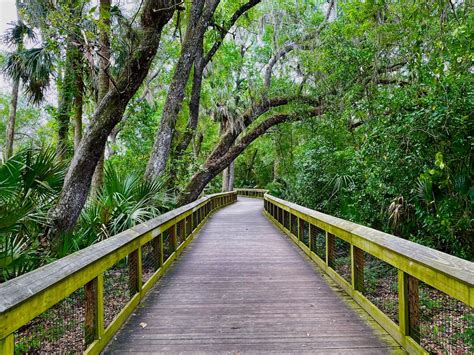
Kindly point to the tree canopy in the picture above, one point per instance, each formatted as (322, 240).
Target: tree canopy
(118, 111)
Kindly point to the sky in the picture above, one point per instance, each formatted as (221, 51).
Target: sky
(7, 15)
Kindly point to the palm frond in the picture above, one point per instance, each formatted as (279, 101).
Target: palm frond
(16, 33)
(34, 66)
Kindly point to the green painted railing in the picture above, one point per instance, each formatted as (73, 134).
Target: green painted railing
(434, 290)
(28, 302)
(259, 193)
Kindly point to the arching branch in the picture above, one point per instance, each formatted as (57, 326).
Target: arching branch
(224, 30)
(224, 153)
(289, 46)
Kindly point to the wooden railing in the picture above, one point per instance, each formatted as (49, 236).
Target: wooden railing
(434, 290)
(259, 193)
(40, 291)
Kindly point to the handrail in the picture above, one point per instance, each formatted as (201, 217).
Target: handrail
(258, 193)
(29, 295)
(415, 263)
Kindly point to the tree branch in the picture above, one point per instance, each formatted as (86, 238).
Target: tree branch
(289, 46)
(226, 28)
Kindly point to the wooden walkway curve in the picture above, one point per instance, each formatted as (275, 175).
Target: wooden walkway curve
(243, 287)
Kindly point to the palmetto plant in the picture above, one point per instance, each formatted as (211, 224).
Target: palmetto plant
(30, 182)
(123, 201)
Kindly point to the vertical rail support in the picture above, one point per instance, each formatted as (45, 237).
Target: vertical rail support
(7, 345)
(182, 231)
(93, 309)
(290, 218)
(300, 229)
(312, 238)
(357, 268)
(135, 271)
(409, 305)
(173, 244)
(330, 250)
(156, 250)
(189, 225)
(162, 250)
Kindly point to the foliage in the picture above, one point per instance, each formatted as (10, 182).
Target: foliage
(124, 201)
(394, 148)
(29, 184)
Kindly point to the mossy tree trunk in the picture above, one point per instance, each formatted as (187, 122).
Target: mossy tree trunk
(103, 80)
(155, 15)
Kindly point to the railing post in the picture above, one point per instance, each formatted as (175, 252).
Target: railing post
(162, 250)
(312, 236)
(173, 238)
(94, 309)
(7, 345)
(357, 268)
(300, 229)
(330, 250)
(135, 271)
(182, 230)
(409, 305)
(156, 250)
(189, 225)
(290, 217)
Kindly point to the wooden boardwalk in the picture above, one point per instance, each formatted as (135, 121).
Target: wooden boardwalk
(243, 287)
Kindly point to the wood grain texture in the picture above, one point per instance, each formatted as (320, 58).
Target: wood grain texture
(450, 274)
(242, 286)
(25, 286)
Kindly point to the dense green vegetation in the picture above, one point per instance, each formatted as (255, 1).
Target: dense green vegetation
(359, 109)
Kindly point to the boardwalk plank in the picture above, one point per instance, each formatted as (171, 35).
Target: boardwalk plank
(242, 286)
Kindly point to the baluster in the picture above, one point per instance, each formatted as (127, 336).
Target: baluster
(289, 222)
(156, 250)
(189, 225)
(93, 309)
(182, 231)
(173, 243)
(330, 250)
(135, 271)
(7, 345)
(312, 238)
(409, 305)
(357, 266)
(300, 229)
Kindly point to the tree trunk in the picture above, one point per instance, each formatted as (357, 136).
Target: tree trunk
(194, 102)
(155, 15)
(226, 150)
(200, 64)
(197, 145)
(103, 81)
(78, 101)
(66, 99)
(250, 166)
(199, 19)
(228, 178)
(230, 185)
(11, 120)
(223, 157)
(225, 180)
